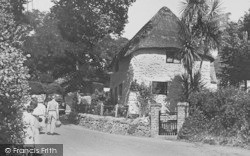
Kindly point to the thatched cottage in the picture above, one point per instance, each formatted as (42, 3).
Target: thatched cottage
(151, 57)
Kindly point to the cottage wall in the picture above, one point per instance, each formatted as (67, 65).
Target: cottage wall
(147, 65)
(150, 65)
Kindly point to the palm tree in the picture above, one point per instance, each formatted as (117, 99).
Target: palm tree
(202, 25)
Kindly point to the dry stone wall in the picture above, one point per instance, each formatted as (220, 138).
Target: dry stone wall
(135, 127)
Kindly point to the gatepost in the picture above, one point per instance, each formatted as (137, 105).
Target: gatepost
(182, 113)
(154, 122)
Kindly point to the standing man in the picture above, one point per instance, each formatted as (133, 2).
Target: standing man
(53, 114)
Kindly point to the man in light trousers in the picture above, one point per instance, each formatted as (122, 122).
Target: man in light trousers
(53, 115)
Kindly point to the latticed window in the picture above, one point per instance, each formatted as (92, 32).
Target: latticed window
(159, 87)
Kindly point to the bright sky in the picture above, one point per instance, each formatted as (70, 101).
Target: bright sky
(143, 10)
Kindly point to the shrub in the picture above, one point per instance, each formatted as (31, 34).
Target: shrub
(73, 118)
(122, 111)
(193, 126)
(53, 88)
(36, 88)
(224, 113)
(13, 88)
(144, 97)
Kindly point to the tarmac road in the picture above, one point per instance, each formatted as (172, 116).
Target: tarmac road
(78, 141)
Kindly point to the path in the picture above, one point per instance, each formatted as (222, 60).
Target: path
(78, 141)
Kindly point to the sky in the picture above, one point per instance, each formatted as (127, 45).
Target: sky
(143, 10)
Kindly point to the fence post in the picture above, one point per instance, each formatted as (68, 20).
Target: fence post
(116, 110)
(182, 113)
(155, 120)
(102, 109)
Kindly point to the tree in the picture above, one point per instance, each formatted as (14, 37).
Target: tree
(246, 23)
(44, 45)
(17, 9)
(202, 25)
(13, 77)
(86, 22)
(234, 56)
(53, 56)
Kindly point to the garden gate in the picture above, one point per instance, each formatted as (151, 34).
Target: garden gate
(168, 123)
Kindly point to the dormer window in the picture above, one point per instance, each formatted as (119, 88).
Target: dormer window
(172, 56)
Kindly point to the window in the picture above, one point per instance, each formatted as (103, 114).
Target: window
(172, 56)
(160, 87)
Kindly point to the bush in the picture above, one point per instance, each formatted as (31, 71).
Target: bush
(144, 97)
(194, 125)
(122, 111)
(53, 88)
(73, 118)
(13, 88)
(36, 88)
(224, 113)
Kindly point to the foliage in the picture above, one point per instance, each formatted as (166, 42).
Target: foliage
(13, 88)
(246, 23)
(89, 21)
(221, 114)
(43, 88)
(73, 118)
(54, 56)
(17, 9)
(85, 24)
(13, 76)
(181, 87)
(36, 88)
(144, 97)
(98, 97)
(122, 111)
(202, 24)
(53, 88)
(193, 126)
(45, 45)
(234, 56)
(10, 31)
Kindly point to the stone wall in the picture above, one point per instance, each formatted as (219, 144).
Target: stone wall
(135, 127)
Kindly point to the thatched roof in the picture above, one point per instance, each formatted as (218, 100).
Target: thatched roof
(160, 32)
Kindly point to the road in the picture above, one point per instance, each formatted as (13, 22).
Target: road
(78, 141)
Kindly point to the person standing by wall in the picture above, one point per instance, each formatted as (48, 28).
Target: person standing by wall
(33, 105)
(28, 123)
(53, 115)
(40, 112)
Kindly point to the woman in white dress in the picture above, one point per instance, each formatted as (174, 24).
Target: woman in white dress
(28, 122)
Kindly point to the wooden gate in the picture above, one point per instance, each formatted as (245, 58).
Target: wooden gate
(168, 127)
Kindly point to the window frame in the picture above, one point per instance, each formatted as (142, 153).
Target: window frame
(172, 56)
(166, 88)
